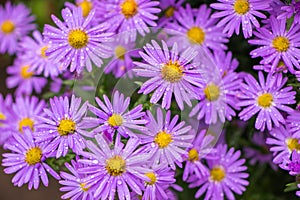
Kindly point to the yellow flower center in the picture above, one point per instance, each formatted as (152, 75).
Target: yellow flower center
(7, 27)
(33, 156)
(66, 127)
(83, 188)
(212, 92)
(172, 71)
(115, 120)
(196, 35)
(293, 144)
(129, 8)
(78, 39)
(193, 155)
(2, 116)
(43, 51)
(25, 73)
(152, 178)
(120, 52)
(241, 7)
(281, 43)
(115, 166)
(265, 100)
(86, 7)
(26, 122)
(170, 12)
(163, 139)
(217, 174)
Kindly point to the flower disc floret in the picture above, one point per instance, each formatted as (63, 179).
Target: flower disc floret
(163, 139)
(26, 122)
(196, 35)
(78, 39)
(86, 7)
(115, 120)
(172, 72)
(265, 100)
(241, 7)
(33, 156)
(152, 178)
(212, 92)
(129, 8)
(115, 166)
(66, 127)
(193, 155)
(7, 27)
(281, 43)
(293, 144)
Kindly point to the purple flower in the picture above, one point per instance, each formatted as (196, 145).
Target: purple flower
(114, 116)
(227, 175)
(278, 44)
(25, 80)
(15, 23)
(266, 98)
(33, 52)
(63, 126)
(116, 169)
(7, 118)
(74, 43)
(165, 140)
(195, 28)
(237, 12)
(85, 5)
(291, 10)
(169, 73)
(168, 7)
(292, 163)
(27, 158)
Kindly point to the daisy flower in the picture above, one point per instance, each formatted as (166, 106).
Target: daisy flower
(169, 73)
(114, 170)
(196, 28)
(62, 127)
(74, 43)
(233, 13)
(168, 7)
(227, 176)
(282, 143)
(24, 79)
(34, 53)
(15, 23)
(114, 116)
(291, 10)
(278, 44)
(266, 98)
(165, 140)
(131, 16)
(27, 160)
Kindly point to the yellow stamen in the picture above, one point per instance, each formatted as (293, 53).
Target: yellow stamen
(115, 166)
(26, 122)
(281, 44)
(86, 7)
(43, 51)
(78, 39)
(196, 35)
(172, 71)
(217, 174)
(66, 127)
(115, 120)
(212, 92)
(120, 52)
(33, 156)
(129, 8)
(193, 155)
(265, 100)
(293, 144)
(25, 73)
(163, 139)
(7, 27)
(83, 188)
(170, 12)
(241, 7)
(152, 178)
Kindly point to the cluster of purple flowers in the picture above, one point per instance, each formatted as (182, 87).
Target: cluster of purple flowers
(128, 150)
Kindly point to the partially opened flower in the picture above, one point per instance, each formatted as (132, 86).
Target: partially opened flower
(168, 7)
(15, 23)
(27, 160)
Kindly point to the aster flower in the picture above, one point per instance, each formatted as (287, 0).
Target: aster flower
(169, 73)
(165, 140)
(15, 23)
(168, 7)
(73, 183)
(74, 43)
(202, 146)
(114, 170)
(278, 44)
(196, 28)
(113, 116)
(291, 10)
(85, 5)
(233, 13)
(292, 164)
(34, 53)
(131, 16)
(62, 127)
(227, 175)
(266, 98)
(282, 143)
(27, 160)
(24, 79)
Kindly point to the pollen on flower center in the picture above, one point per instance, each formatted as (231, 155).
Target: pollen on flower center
(152, 178)
(43, 51)
(7, 27)
(281, 43)
(2, 116)
(33, 156)
(265, 100)
(163, 139)
(115, 120)
(26, 122)
(25, 73)
(172, 71)
(169, 12)
(66, 127)
(241, 6)
(120, 52)
(86, 7)
(193, 155)
(129, 8)
(78, 39)
(217, 174)
(212, 92)
(83, 188)
(115, 166)
(293, 144)
(196, 35)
